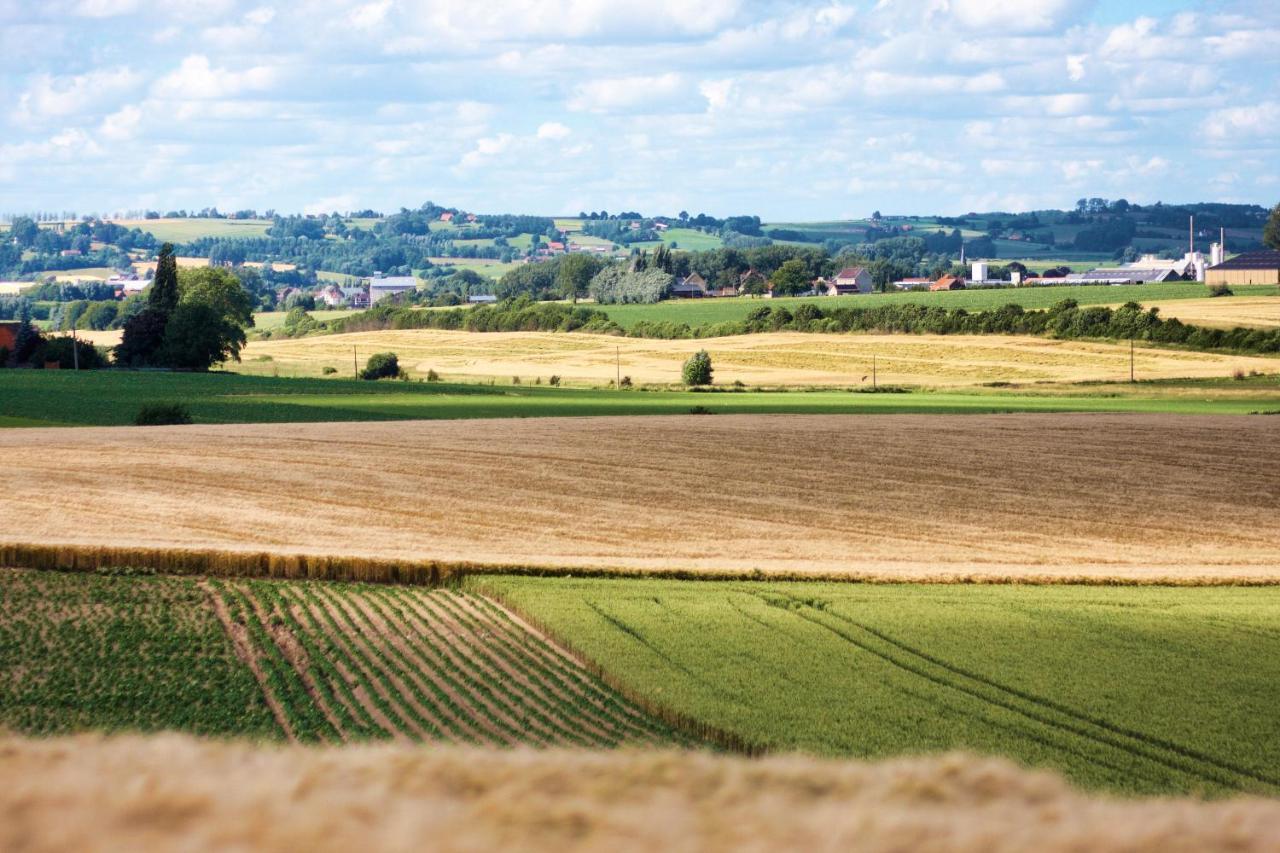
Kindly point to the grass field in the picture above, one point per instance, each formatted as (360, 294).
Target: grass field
(770, 359)
(170, 792)
(270, 320)
(186, 230)
(1139, 498)
(1141, 691)
(297, 661)
(488, 267)
(702, 312)
(100, 273)
(65, 398)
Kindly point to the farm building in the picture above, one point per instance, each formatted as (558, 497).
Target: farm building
(948, 282)
(1123, 276)
(334, 296)
(1249, 268)
(912, 283)
(482, 298)
(850, 280)
(382, 287)
(8, 336)
(446, 217)
(693, 287)
(751, 279)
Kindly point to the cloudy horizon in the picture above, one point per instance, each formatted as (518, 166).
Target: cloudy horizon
(789, 110)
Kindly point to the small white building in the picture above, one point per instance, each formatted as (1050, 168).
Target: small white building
(380, 287)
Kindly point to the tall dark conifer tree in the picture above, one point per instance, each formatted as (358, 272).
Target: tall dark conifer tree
(164, 287)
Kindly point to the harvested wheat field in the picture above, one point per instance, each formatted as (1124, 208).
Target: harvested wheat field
(781, 358)
(1142, 497)
(132, 793)
(1262, 312)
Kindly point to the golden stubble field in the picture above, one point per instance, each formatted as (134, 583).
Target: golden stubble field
(167, 792)
(780, 358)
(1262, 312)
(912, 497)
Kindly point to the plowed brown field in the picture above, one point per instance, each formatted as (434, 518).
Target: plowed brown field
(1140, 497)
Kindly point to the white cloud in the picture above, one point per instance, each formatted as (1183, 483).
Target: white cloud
(626, 93)
(1023, 16)
(1075, 66)
(105, 8)
(61, 97)
(1260, 121)
(121, 125)
(553, 130)
(197, 79)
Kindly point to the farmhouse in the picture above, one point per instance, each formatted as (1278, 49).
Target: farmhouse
(8, 336)
(382, 287)
(848, 281)
(446, 217)
(948, 282)
(751, 279)
(334, 296)
(692, 287)
(1249, 268)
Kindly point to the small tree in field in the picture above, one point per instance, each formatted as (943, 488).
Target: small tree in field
(382, 365)
(697, 369)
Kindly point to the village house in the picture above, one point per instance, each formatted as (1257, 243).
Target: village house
(948, 282)
(690, 287)
(753, 279)
(8, 336)
(446, 217)
(848, 281)
(380, 287)
(335, 296)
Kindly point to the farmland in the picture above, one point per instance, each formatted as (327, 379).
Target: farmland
(1138, 690)
(186, 230)
(894, 497)
(58, 398)
(704, 312)
(298, 661)
(769, 359)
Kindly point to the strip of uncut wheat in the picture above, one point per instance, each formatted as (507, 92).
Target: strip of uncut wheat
(511, 672)
(434, 694)
(540, 682)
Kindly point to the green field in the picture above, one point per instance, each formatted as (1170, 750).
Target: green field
(487, 267)
(312, 662)
(64, 398)
(702, 312)
(119, 653)
(186, 230)
(269, 320)
(1135, 690)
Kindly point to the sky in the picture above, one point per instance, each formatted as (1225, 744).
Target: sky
(795, 111)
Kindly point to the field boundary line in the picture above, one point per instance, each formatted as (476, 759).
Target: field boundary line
(257, 564)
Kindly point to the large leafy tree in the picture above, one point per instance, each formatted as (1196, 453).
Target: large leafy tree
(575, 274)
(197, 336)
(790, 278)
(1271, 232)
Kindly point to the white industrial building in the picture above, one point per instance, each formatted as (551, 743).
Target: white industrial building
(381, 287)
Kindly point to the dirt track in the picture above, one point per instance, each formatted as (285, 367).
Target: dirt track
(904, 496)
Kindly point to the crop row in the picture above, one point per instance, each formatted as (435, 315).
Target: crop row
(340, 662)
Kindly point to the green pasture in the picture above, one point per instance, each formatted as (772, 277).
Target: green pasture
(1127, 689)
(490, 268)
(186, 230)
(65, 398)
(271, 320)
(705, 312)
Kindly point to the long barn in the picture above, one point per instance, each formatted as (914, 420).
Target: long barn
(1248, 268)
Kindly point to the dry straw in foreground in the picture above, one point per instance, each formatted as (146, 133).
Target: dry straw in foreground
(167, 792)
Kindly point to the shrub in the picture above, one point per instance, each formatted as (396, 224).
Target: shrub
(515, 380)
(1220, 290)
(329, 370)
(625, 382)
(381, 365)
(700, 410)
(554, 380)
(697, 369)
(432, 376)
(162, 414)
(61, 351)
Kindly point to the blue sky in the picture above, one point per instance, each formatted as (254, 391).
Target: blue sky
(791, 110)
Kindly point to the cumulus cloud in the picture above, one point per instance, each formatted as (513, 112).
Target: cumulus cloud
(553, 130)
(48, 96)
(1260, 121)
(627, 93)
(196, 78)
(1024, 16)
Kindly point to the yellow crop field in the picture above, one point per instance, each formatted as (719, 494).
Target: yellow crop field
(1139, 497)
(166, 792)
(781, 358)
(1259, 311)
